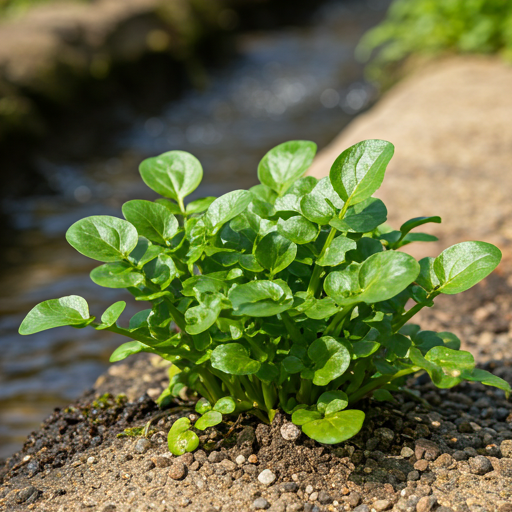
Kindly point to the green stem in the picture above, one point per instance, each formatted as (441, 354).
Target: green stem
(377, 383)
(292, 328)
(304, 394)
(210, 381)
(338, 320)
(269, 395)
(409, 314)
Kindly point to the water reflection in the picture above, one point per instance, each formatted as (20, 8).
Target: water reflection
(298, 83)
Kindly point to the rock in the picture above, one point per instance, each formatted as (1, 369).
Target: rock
(142, 445)
(385, 435)
(260, 504)
(26, 494)
(362, 508)
(186, 458)
(381, 505)
(246, 438)
(91, 461)
(178, 470)
(413, 476)
(216, 457)
(161, 462)
(240, 460)
(480, 465)
(444, 460)
(313, 496)
(353, 499)
(459, 455)
(253, 459)
(309, 489)
(506, 448)
(324, 498)
(266, 477)
(290, 432)
(148, 465)
(108, 508)
(425, 449)
(289, 487)
(407, 452)
(505, 468)
(426, 504)
(228, 465)
(506, 507)
(421, 465)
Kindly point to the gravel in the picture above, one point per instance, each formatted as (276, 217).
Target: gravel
(266, 477)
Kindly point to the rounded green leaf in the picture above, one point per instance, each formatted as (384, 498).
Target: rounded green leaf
(285, 163)
(358, 172)
(225, 405)
(70, 310)
(453, 362)
(463, 265)
(208, 419)
(298, 229)
(385, 274)
(174, 174)
(261, 298)
(225, 208)
(203, 406)
(116, 275)
(292, 365)
(234, 359)
(363, 217)
(111, 314)
(199, 205)
(487, 378)
(302, 416)
(335, 253)
(331, 358)
(202, 317)
(336, 427)
(417, 221)
(332, 401)
(181, 439)
(152, 220)
(103, 238)
(275, 252)
(127, 349)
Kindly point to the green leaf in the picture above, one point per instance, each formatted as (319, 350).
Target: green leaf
(331, 358)
(203, 406)
(261, 298)
(292, 365)
(233, 358)
(111, 314)
(321, 308)
(225, 405)
(302, 186)
(181, 439)
(152, 221)
(200, 318)
(302, 416)
(208, 419)
(463, 265)
(225, 208)
(321, 203)
(285, 163)
(335, 253)
(363, 217)
(161, 271)
(427, 277)
(425, 340)
(487, 378)
(417, 221)
(275, 252)
(116, 275)
(358, 172)
(332, 401)
(144, 252)
(383, 395)
(336, 427)
(386, 274)
(174, 174)
(127, 349)
(71, 310)
(298, 229)
(343, 286)
(199, 205)
(103, 238)
(451, 361)
(450, 340)
(249, 262)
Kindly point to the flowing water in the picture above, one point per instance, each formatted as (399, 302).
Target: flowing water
(292, 83)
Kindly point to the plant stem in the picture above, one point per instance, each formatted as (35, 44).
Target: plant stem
(377, 383)
(294, 331)
(338, 320)
(409, 314)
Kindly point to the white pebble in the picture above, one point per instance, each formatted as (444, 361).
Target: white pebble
(240, 459)
(309, 489)
(290, 432)
(407, 452)
(266, 477)
(91, 460)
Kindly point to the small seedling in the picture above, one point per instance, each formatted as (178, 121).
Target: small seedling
(290, 295)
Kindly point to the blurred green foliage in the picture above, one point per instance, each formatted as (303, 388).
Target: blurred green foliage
(13, 8)
(432, 27)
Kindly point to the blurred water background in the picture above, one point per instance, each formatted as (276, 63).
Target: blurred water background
(291, 82)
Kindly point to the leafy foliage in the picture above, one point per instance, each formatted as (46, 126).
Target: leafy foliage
(432, 27)
(291, 295)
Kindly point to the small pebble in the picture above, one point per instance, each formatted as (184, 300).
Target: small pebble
(506, 448)
(216, 457)
(260, 504)
(26, 493)
(480, 465)
(240, 460)
(161, 462)
(266, 477)
(381, 505)
(413, 476)
(313, 496)
(309, 489)
(91, 460)
(421, 465)
(228, 465)
(324, 498)
(426, 504)
(290, 432)
(362, 508)
(148, 465)
(289, 487)
(142, 445)
(407, 452)
(425, 449)
(253, 459)
(178, 470)
(186, 458)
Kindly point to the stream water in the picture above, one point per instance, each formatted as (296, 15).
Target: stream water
(292, 83)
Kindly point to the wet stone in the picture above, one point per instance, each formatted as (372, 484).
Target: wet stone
(480, 465)
(324, 498)
(142, 445)
(178, 470)
(260, 504)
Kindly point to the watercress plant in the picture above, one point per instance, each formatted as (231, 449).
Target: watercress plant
(290, 295)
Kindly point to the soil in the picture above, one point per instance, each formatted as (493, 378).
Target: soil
(451, 452)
